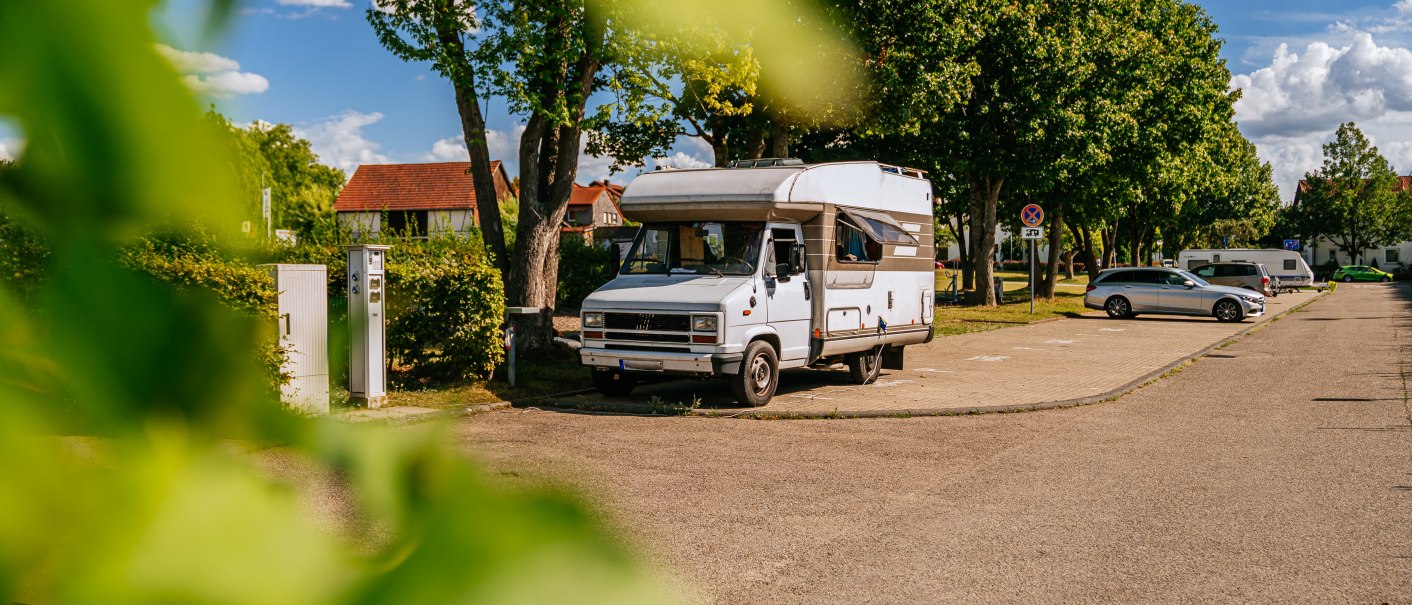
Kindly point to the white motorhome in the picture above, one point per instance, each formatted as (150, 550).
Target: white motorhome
(741, 272)
(1287, 265)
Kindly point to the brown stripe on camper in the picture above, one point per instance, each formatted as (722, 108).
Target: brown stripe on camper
(819, 240)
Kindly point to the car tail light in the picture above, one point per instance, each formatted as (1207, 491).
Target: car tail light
(1090, 288)
(1264, 280)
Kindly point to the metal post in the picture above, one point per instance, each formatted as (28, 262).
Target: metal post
(510, 337)
(1032, 250)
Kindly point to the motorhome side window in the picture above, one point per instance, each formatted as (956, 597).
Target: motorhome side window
(853, 245)
(695, 249)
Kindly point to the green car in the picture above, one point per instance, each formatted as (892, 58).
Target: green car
(1361, 273)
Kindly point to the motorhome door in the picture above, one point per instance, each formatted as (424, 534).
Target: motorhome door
(788, 294)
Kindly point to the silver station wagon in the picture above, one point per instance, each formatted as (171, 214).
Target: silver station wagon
(1130, 291)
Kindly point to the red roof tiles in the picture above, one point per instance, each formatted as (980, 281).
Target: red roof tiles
(440, 186)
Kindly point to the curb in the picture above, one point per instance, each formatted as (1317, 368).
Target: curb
(457, 411)
(1134, 385)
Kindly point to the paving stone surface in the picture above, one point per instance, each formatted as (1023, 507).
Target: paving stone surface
(1054, 361)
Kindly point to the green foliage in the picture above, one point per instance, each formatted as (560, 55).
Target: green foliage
(1353, 199)
(193, 260)
(583, 268)
(445, 308)
(302, 191)
(24, 256)
(124, 395)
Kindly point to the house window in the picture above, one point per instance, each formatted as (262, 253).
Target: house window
(1392, 255)
(609, 218)
(407, 223)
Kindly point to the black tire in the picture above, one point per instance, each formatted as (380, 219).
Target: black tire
(1119, 308)
(1386, 279)
(613, 383)
(864, 367)
(1347, 278)
(1227, 310)
(759, 374)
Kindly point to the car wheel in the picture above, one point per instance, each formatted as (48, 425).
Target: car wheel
(1118, 308)
(864, 367)
(1347, 278)
(1227, 310)
(1386, 279)
(613, 383)
(759, 374)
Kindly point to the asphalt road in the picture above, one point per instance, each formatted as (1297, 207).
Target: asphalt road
(1279, 469)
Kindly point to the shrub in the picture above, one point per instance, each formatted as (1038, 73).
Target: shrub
(445, 308)
(583, 268)
(24, 258)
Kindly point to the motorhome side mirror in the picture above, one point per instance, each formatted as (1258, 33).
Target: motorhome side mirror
(1189, 284)
(796, 259)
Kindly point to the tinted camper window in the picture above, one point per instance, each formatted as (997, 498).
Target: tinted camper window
(852, 245)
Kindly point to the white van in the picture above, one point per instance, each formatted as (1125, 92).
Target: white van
(1287, 265)
(741, 272)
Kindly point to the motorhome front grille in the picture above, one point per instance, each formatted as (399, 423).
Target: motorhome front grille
(647, 322)
(648, 337)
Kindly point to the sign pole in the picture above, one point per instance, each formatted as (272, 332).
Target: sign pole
(1032, 285)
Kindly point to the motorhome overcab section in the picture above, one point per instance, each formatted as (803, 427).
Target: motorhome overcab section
(738, 273)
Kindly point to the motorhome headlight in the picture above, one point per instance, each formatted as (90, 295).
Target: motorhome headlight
(592, 320)
(703, 323)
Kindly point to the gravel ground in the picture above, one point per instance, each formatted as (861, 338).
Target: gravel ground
(1278, 469)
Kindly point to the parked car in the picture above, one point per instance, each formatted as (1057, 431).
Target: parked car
(1251, 276)
(1127, 292)
(1361, 273)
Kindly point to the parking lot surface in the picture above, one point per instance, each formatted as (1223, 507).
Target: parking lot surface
(1277, 470)
(1058, 362)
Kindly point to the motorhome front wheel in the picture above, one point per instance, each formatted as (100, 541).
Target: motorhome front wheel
(759, 374)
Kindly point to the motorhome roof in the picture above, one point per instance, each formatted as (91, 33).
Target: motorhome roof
(793, 191)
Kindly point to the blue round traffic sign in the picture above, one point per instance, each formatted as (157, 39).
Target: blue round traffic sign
(1032, 215)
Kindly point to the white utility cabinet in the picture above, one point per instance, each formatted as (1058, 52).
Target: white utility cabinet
(367, 339)
(303, 333)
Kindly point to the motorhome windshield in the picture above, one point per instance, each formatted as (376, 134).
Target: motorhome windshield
(696, 249)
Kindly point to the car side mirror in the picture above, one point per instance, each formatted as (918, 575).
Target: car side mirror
(1189, 284)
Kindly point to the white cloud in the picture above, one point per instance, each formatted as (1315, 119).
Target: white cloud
(339, 141)
(1292, 105)
(503, 145)
(680, 160)
(317, 3)
(11, 148)
(212, 74)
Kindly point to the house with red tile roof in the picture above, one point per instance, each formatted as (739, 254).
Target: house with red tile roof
(593, 207)
(416, 199)
(1323, 253)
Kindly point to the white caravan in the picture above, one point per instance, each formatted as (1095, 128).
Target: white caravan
(740, 272)
(1287, 265)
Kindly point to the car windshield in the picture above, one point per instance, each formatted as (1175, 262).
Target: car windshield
(1192, 276)
(695, 249)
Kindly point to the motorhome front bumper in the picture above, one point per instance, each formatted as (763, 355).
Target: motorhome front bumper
(713, 364)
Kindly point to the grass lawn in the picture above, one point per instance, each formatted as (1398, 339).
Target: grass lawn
(953, 320)
(540, 377)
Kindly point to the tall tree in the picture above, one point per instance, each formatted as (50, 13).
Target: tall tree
(1354, 198)
(545, 58)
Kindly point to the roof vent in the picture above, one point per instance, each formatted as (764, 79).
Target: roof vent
(764, 162)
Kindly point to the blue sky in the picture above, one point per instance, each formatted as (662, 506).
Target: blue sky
(1304, 66)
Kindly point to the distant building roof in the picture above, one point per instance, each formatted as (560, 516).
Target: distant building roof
(587, 195)
(439, 186)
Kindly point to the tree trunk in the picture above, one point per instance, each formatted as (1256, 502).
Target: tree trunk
(755, 145)
(779, 137)
(1056, 242)
(1069, 264)
(963, 249)
(1110, 247)
(549, 156)
(473, 133)
(985, 193)
(720, 146)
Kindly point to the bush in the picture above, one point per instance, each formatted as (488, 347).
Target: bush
(192, 259)
(583, 268)
(445, 309)
(24, 259)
